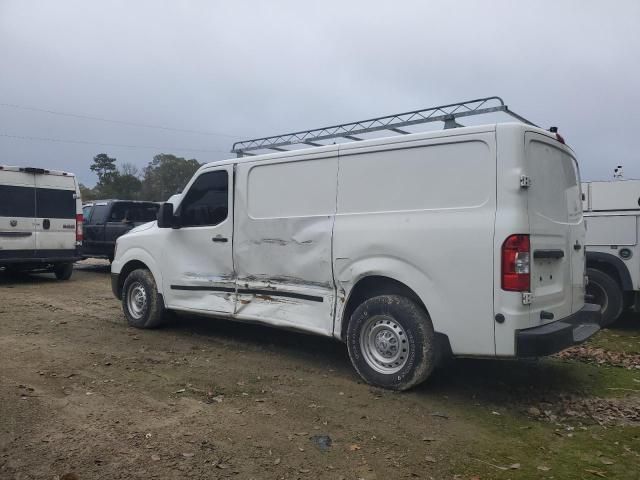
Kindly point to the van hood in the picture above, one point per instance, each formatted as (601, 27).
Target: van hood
(143, 227)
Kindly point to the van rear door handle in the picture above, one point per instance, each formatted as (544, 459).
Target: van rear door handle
(577, 246)
(552, 253)
(220, 239)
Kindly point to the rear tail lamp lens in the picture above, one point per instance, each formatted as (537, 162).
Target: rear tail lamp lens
(79, 222)
(516, 259)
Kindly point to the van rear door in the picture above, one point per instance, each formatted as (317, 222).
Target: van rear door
(17, 213)
(556, 229)
(55, 215)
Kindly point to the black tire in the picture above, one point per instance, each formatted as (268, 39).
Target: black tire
(607, 293)
(395, 319)
(147, 313)
(63, 271)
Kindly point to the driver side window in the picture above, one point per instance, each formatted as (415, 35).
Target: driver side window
(207, 201)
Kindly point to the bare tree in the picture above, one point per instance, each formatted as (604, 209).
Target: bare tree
(129, 169)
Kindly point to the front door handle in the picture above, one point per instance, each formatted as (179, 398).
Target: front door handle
(220, 239)
(577, 246)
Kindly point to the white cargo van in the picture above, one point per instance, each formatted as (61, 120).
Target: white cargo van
(467, 241)
(612, 217)
(40, 220)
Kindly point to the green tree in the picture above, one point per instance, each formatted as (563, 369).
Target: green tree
(86, 193)
(125, 187)
(165, 175)
(105, 168)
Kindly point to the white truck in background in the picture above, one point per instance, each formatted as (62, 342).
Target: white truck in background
(612, 212)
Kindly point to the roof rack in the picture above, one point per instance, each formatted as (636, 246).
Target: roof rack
(393, 123)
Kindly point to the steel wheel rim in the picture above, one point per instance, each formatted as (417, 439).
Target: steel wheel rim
(137, 300)
(599, 295)
(384, 344)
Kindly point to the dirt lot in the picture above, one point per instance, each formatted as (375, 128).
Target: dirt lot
(84, 396)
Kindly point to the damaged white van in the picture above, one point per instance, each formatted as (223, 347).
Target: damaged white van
(465, 241)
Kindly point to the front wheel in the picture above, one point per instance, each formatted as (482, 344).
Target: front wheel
(141, 303)
(391, 342)
(606, 292)
(63, 271)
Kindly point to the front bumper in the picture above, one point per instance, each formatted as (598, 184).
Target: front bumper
(115, 285)
(556, 336)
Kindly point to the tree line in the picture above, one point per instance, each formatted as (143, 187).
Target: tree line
(164, 176)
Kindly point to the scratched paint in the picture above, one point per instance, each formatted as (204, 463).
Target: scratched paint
(289, 255)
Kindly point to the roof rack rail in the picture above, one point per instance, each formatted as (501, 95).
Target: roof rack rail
(443, 113)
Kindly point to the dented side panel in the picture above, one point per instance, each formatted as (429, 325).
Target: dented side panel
(283, 263)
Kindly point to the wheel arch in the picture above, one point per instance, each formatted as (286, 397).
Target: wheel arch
(125, 271)
(133, 259)
(373, 285)
(613, 266)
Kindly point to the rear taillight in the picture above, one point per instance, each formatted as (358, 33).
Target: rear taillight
(79, 221)
(516, 263)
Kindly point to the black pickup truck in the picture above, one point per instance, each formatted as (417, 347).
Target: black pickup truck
(106, 220)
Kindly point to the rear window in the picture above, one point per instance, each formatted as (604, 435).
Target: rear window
(54, 203)
(17, 201)
(557, 171)
(86, 212)
(99, 214)
(144, 213)
(133, 212)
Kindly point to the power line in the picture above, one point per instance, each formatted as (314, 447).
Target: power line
(119, 122)
(83, 142)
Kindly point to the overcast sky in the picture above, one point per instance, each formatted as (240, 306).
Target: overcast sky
(248, 68)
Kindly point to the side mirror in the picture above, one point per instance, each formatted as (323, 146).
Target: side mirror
(166, 219)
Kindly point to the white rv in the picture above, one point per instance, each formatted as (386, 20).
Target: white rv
(40, 220)
(467, 241)
(612, 212)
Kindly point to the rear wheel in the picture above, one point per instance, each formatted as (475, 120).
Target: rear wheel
(63, 271)
(391, 342)
(141, 303)
(605, 292)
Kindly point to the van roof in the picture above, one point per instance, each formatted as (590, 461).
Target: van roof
(41, 171)
(302, 153)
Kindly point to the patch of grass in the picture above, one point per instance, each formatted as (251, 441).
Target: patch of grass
(509, 439)
(502, 382)
(598, 380)
(623, 336)
(491, 398)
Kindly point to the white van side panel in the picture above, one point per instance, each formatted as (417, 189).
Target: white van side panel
(422, 213)
(282, 241)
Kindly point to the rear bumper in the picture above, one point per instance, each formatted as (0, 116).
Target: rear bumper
(556, 336)
(38, 257)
